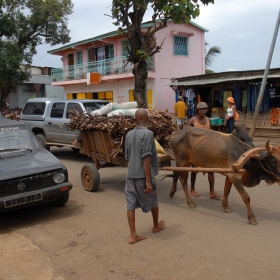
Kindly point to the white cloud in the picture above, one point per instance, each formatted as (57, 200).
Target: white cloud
(242, 29)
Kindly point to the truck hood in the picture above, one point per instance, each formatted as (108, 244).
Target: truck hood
(28, 163)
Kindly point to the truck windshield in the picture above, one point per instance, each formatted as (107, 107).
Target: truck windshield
(17, 137)
(91, 106)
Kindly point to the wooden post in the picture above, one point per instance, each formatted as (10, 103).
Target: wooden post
(260, 98)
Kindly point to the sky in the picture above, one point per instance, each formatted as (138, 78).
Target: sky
(243, 29)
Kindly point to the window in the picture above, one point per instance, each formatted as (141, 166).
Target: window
(92, 55)
(110, 51)
(180, 45)
(30, 90)
(72, 107)
(79, 58)
(57, 110)
(107, 95)
(101, 53)
(34, 108)
(125, 46)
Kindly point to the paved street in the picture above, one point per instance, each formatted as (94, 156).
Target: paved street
(88, 238)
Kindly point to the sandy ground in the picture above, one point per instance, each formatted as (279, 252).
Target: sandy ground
(88, 238)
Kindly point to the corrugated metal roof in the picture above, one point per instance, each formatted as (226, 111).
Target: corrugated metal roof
(215, 81)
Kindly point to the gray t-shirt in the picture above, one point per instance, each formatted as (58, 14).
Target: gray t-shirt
(139, 143)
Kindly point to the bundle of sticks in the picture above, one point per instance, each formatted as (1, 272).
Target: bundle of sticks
(160, 122)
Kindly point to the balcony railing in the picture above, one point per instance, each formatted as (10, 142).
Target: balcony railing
(104, 67)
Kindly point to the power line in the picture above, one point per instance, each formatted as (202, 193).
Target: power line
(41, 57)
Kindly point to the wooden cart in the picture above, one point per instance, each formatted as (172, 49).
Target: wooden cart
(98, 145)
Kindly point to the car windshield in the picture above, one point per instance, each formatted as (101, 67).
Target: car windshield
(91, 106)
(17, 137)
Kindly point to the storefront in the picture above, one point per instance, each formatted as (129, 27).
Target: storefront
(244, 87)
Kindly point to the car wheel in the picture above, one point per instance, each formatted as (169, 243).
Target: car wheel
(90, 177)
(62, 200)
(42, 140)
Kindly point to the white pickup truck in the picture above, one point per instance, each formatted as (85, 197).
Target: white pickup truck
(48, 118)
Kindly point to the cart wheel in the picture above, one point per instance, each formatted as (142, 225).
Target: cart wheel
(90, 178)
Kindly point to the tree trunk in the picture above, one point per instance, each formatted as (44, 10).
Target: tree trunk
(5, 91)
(140, 91)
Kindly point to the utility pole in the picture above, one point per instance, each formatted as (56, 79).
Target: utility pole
(260, 98)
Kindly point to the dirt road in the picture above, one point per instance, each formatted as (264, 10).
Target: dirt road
(88, 238)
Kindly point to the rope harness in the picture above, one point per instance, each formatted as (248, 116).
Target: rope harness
(268, 171)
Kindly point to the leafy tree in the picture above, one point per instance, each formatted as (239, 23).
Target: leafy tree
(210, 54)
(129, 15)
(25, 24)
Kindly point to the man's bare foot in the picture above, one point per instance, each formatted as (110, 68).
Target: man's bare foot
(214, 196)
(160, 226)
(136, 238)
(194, 193)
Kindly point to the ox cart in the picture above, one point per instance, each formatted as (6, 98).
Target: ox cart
(98, 145)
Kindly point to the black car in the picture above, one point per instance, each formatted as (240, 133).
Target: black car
(29, 174)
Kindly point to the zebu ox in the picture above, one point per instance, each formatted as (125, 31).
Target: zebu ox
(198, 147)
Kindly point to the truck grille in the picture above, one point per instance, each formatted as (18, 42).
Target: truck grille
(27, 184)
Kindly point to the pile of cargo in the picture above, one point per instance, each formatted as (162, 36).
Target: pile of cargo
(160, 122)
(116, 109)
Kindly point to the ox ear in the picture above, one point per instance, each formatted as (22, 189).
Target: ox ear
(273, 151)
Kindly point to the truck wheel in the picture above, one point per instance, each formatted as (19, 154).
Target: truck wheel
(90, 178)
(62, 200)
(75, 150)
(42, 140)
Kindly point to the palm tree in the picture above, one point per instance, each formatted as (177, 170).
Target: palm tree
(209, 56)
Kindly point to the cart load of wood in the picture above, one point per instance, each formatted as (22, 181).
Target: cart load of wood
(160, 122)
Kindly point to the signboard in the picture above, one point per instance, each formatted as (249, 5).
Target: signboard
(93, 78)
(121, 99)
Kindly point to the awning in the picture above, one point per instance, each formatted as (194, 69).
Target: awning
(216, 81)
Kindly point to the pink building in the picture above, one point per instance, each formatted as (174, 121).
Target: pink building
(182, 55)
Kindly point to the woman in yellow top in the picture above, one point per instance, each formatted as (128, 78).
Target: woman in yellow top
(200, 120)
(180, 111)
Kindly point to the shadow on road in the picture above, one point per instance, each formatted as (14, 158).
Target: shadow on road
(35, 215)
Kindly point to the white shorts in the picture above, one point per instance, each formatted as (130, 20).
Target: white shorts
(180, 121)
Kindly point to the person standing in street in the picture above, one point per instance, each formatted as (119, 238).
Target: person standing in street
(140, 188)
(180, 111)
(200, 120)
(231, 111)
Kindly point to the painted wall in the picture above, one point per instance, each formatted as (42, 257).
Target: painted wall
(167, 66)
(54, 92)
(119, 88)
(170, 65)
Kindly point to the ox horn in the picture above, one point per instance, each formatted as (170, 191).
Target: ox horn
(268, 147)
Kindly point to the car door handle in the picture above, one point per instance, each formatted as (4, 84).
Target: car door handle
(49, 123)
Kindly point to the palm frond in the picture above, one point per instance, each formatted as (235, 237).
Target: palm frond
(211, 54)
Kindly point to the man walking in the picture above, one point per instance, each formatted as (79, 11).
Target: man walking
(140, 188)
(180, 111)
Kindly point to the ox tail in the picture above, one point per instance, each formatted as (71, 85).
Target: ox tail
(175, 174)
